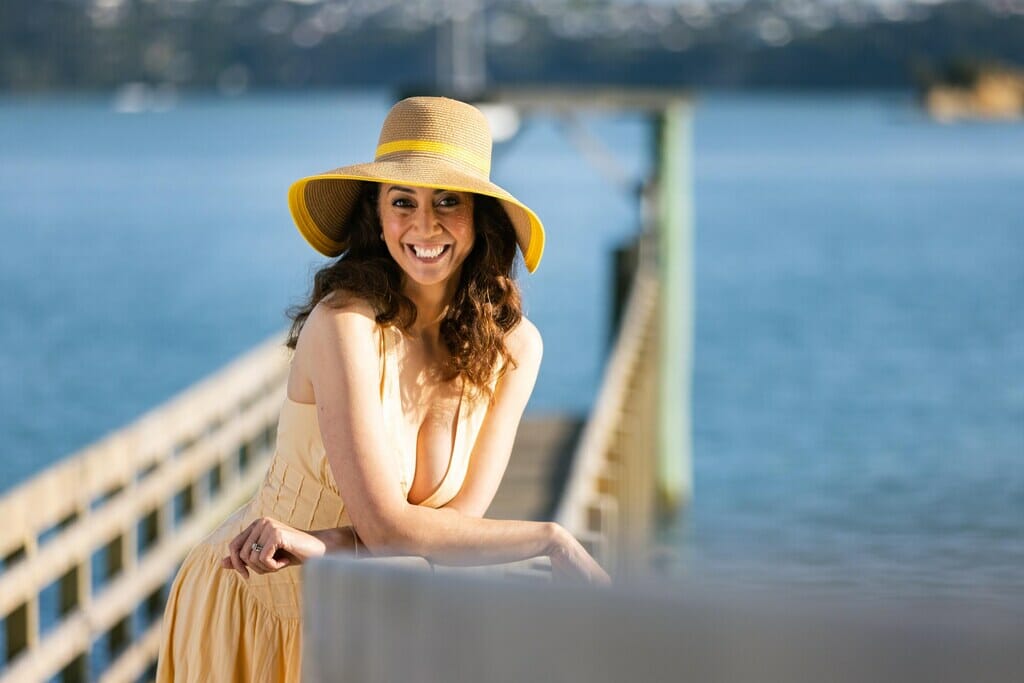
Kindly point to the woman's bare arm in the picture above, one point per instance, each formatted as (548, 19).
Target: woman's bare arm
(493, 446)
(341, 344)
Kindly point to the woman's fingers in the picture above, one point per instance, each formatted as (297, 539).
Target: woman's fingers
(236, 547)
(272, 541)
(264, 546)
(265, 540)
(236, 543)
(599, 576)
(237, 564)
(574, 563)
(593, 571)
(241, 550)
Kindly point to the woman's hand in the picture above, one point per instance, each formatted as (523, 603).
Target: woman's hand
(268, 545)
(570, 561)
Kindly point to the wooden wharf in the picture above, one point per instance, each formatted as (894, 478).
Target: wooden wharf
(90, 545)
(538, 470)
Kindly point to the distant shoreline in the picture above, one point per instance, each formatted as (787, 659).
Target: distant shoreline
(232, 47)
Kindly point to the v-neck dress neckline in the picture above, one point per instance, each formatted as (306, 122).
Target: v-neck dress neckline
(391, 397)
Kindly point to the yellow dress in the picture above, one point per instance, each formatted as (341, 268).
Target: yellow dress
(218, 626)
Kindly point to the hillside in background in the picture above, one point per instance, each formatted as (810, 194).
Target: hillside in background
(235, 45)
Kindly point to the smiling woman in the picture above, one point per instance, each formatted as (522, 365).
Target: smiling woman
(412, 366)
(429, 232)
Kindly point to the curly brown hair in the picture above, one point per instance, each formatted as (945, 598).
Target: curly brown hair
(487, 303)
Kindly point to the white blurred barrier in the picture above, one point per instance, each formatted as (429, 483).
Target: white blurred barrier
(379, 621)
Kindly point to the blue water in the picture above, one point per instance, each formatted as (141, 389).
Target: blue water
(859, 369)
(859, 377)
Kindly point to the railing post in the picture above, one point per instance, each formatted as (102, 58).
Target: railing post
(676, 311)
(74, 592)
(22, 623)
(228, 471)
(117, 562)
(148, 536)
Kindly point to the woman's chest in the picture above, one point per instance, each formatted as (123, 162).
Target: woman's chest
(425, 423)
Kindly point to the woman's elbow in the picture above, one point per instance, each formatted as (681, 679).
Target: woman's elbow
(389, 533)
(467, 508)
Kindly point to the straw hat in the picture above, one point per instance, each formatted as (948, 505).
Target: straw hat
(425, 142)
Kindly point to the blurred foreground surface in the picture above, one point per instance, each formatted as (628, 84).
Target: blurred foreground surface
(578, 633)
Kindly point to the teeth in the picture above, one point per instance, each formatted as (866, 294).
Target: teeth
(428, 253)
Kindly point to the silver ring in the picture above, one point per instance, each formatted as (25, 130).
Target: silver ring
(256, 548)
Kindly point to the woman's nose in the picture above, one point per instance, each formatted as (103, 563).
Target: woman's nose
(428, 222)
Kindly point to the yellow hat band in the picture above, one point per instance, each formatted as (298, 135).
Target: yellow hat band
(443, 148)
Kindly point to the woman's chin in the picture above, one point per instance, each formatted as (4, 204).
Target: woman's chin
(429, 274)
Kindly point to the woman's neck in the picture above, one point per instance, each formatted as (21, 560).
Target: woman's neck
(431, 303)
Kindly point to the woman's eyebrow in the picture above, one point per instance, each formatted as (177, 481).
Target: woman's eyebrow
(402, 188)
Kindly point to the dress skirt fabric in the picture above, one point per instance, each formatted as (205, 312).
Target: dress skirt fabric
(223, 633)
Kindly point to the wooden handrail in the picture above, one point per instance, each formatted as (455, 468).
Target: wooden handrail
(590, 455)
(219, 433)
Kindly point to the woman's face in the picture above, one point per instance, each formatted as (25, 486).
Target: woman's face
(428, 232)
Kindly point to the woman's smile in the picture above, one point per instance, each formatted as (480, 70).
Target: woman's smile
(429, 254)
(429, 232)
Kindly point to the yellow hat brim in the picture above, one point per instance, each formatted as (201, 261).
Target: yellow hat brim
(320, 203)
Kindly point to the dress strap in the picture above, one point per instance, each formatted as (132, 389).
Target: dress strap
(389, 384)
(382, 349)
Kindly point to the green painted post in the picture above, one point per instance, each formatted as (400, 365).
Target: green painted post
(675, 263)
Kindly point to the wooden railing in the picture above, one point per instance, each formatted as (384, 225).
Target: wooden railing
(89, 545)
(609, 499)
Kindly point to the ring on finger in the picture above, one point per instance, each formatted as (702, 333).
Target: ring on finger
(256, 547)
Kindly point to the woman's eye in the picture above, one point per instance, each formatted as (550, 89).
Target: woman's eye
(450, 200)
(401, 203)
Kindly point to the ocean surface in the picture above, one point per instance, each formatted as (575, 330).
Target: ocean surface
(859, 368)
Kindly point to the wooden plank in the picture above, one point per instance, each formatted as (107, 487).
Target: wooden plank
(537, 469)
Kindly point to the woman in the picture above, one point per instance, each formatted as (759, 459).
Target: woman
(412, 366)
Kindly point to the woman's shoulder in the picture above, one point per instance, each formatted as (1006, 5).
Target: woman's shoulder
(340, 315)
(524, 342)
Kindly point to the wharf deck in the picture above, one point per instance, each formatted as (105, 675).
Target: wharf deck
(538, 468)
